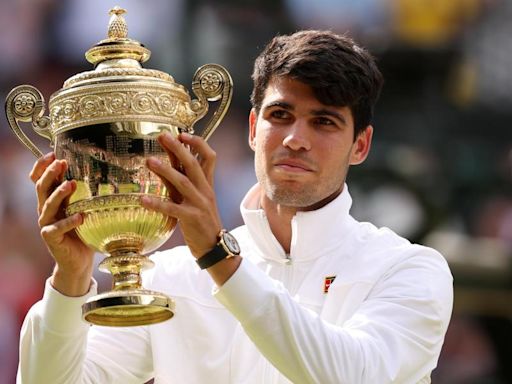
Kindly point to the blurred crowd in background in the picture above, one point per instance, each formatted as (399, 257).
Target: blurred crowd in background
(440, 170)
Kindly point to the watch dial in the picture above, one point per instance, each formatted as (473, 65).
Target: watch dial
(231, 243)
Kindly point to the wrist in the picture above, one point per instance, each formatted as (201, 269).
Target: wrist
(226, 248)
(224, 269)
(71, 284)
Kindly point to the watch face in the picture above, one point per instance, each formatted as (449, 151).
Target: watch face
(231, 243)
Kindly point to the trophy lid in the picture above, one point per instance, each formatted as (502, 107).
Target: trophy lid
(117, 55)
(120, 89)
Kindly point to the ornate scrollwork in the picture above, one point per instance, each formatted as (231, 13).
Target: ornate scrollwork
(143, 102)
(166, 104)
(212, 82)
(117, 102)
(125, 103)
(115, 71)
(25, 103)
(91, 106)
(109, 202)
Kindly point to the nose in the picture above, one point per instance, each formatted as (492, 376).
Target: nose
(297, 137)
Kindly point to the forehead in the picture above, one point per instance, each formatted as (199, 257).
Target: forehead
(287, 87)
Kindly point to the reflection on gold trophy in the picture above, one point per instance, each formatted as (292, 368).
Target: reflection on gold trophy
(105, 123)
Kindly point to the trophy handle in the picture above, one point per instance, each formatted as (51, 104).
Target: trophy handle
(212, 82)
(25, 103)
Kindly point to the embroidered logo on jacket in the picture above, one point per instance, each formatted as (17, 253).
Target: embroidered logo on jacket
(327, 282)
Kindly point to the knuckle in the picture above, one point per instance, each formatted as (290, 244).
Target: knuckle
(46, 233)
(195, 215)
(39, 186)
(184, 182)
(209, 197)
(33, 176)
(211, 155)
(186, 162)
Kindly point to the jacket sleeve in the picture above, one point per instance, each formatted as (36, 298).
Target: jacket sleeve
(395, 336)
(58, 347)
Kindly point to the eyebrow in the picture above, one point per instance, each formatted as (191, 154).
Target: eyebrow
(314, 112)
(280, 104)
(328, 112)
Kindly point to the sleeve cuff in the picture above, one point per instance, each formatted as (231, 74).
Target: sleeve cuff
(246, 293)
(63, 314)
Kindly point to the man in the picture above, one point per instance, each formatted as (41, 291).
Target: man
(313, 297)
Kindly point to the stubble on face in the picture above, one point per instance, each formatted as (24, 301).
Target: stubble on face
(295, 193)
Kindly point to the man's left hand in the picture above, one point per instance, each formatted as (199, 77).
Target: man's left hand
(197, 209)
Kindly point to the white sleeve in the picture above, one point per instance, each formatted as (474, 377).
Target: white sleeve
(395, 335)
(58, 347)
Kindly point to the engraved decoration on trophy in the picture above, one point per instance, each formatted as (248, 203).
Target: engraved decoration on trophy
(105, 123)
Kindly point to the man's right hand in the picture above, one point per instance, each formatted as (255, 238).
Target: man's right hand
(74, 260)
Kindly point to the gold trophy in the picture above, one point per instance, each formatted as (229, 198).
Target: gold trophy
(105, 123)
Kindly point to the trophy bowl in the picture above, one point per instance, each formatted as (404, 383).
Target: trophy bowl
(105, 123)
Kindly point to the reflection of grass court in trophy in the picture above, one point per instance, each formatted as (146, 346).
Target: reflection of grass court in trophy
(105, 123)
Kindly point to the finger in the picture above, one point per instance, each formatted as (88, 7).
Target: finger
(51, 177)
(53, 207)
(52, 233)
(166, 207)
(175, 179)
(189, 162)
(40, 165)
(207, 156)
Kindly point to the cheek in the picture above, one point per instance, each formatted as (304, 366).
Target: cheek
(264, 140)
(336, 155)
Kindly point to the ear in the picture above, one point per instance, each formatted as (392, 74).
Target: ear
(361, 146)
(252, 129)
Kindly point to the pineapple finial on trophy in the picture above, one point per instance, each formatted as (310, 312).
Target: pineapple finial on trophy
(117, 28)
(117, 45)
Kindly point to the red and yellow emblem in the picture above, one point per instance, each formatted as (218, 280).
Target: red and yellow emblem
(327, 282)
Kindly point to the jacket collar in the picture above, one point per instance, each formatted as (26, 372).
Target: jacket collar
(314, 233)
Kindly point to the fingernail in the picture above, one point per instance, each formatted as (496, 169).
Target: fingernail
(154, 162)
(48, 156)
(168, 137)
(145, 201)
(186, 135)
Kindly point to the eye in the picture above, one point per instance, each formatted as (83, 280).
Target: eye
(323, 121)
(279, 114)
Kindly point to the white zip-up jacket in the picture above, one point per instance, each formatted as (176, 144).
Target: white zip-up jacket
(382, 319)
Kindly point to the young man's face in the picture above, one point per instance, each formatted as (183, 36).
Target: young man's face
(303, 148)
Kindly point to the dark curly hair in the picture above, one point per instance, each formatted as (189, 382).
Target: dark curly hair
(339, 71)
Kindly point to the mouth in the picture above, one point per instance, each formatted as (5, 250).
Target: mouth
(293, 165)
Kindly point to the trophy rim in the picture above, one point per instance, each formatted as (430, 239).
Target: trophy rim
(134, 307)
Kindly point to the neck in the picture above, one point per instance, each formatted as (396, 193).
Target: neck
(280, 217)
(280, 220)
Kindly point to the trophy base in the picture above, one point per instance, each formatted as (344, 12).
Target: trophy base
(126, 308)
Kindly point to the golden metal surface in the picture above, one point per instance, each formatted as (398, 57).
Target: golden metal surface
(128, 308)
(105, 123)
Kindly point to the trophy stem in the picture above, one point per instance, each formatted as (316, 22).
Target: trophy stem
(128, 304)
(125, 267)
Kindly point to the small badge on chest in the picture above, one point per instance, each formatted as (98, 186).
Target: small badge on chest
(327, 282)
